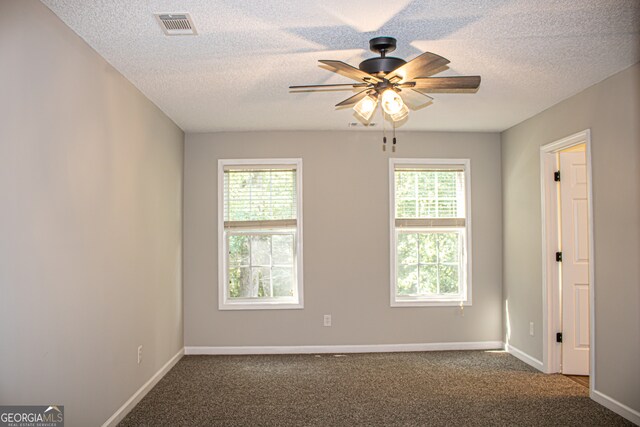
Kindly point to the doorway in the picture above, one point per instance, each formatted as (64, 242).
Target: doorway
(568, 286)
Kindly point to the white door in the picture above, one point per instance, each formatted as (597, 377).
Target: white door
(574, 232)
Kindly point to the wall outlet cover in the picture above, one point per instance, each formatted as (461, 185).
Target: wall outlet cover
(327, 320)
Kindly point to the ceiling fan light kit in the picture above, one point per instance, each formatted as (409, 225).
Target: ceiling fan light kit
(385, 80)
(366, 106)
(391, 102)
(400, 114)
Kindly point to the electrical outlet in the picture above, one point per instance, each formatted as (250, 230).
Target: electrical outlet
(327, 320)
(531, 328)
(139, 354)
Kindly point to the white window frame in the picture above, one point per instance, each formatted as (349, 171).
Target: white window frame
(465, 164)
(225, 303)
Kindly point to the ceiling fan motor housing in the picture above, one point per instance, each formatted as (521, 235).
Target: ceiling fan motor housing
(384, 64)
(381, 65)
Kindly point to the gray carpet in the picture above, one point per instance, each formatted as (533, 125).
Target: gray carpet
(381, 389)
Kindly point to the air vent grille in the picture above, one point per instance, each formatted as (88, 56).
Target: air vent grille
(176, 24)
(358, 124)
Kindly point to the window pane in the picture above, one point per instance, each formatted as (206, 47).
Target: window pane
(259, 195)
(447, 184)
(428, 247)
(282, 278)
(261, 282)
(407, 279)
(429, 279)
(449, 282)
(260, 250)
(428, 209)
(448, 246)
(447, 208)
(429, 193)
(261, 265)
(405, 185)
(238, 250)
(406, 208)
(240, 282)
(428, 263)
(407, 248)
(282, 249)
(429, 185)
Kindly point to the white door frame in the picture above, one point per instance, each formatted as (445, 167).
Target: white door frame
(550, 286)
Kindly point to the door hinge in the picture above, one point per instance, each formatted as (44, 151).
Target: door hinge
(558, 256)
(556, 176)
(559, 337)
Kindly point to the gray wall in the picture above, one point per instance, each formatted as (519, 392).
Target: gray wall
(346, 242)
(90, 224)
(611, 109)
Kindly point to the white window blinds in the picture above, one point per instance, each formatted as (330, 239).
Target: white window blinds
(432, 197)
(259, 197)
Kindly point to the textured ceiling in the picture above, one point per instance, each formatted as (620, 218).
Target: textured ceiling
(235, 74)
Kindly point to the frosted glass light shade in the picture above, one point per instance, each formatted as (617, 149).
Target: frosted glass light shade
(404, 111)
(391, 102)
(366, 107)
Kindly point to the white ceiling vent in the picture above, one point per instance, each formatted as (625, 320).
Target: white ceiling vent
(176, 24)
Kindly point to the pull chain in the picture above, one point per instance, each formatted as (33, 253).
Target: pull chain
(384, 133)
(394, 138)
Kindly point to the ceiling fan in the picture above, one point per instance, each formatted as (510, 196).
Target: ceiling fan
(392, 82)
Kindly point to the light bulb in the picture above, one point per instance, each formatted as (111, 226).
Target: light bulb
(366, 107)
(391, 102)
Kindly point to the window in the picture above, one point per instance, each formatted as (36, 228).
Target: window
(430, 232)
(260, 234)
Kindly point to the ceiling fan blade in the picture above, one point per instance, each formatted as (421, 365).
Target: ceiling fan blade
(415, 99)
(353, 99)
(350, 85)
(447, 84)
(349, 71)
(424, 65)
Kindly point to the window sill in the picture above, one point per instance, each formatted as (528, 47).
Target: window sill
(429, 303)
(260, 306)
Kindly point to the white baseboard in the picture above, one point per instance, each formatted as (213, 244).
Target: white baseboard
(617, 407)
(142, 391)
(529, 360)
(373, 348)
